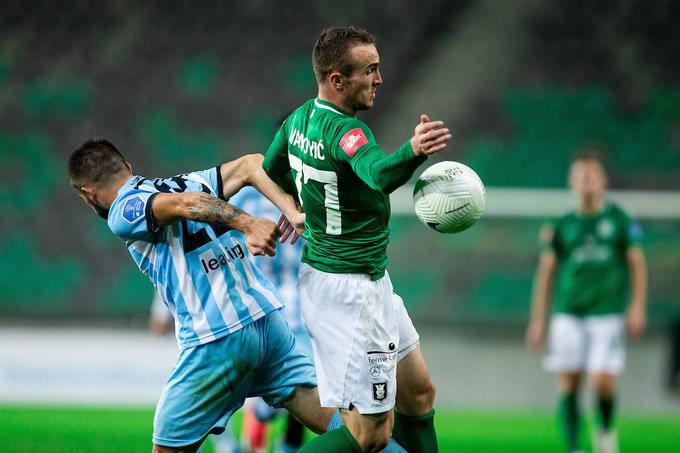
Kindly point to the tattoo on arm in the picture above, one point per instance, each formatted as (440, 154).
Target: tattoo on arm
(213, 210)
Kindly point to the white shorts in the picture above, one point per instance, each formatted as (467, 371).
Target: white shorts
(594, 344)
(360, 330)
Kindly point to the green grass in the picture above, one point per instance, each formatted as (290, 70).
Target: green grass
(67, 429)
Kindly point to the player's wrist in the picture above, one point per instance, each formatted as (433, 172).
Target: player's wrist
(413, 144)
(243, 222)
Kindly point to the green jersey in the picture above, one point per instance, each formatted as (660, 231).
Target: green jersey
(330, 160)
(592, 274)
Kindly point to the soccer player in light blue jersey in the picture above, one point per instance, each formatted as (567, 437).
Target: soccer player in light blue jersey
(196, 249)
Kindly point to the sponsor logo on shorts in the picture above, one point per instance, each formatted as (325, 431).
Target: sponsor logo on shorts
(379, 391)
(381, 357)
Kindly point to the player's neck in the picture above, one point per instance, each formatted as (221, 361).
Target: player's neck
(591, 204)
(110, 193)
(327, 94)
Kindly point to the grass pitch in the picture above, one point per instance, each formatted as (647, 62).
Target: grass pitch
(78, 429)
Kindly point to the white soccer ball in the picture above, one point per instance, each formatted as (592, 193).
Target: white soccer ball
(449, 197)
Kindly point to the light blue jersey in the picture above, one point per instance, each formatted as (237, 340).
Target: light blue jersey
(283, 268)
(202, 271)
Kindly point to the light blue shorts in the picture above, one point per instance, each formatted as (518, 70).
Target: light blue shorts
(210, 382)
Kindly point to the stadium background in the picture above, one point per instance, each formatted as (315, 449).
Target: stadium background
(181, 85)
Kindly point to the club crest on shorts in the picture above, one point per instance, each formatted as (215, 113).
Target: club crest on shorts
(379, 391)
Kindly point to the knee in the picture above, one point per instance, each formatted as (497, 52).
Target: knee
(604, 386)
(569, 383)
(424, 396)
(429, 390)
(419, 400)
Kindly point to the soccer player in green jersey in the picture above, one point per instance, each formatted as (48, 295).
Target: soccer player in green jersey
(359, 327)
(592, 255)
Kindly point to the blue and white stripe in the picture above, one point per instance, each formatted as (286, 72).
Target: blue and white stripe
(213, 289)
(283, 268)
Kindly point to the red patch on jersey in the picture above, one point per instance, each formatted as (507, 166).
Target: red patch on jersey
(352, 141)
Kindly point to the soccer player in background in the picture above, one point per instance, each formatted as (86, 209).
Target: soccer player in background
(282, 270)
(367, 356)
(589, 256)
(233, 341)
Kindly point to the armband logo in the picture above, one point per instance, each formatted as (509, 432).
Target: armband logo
(353, 140)
(133, 209)
(635, 231)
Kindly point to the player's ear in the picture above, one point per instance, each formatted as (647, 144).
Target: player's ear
(336, 80)
(88, 191)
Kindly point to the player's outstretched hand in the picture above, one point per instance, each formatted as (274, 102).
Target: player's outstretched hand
(535, 336)
(636, 322)
(261, 236)
(430, 137)
(292, 230)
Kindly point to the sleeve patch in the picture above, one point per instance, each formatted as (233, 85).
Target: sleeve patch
(635, 231)
(353, 140)
(133, 209)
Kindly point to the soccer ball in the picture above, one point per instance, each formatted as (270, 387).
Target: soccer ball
(449, 197)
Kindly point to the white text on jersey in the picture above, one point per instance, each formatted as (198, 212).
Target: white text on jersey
(307, 146)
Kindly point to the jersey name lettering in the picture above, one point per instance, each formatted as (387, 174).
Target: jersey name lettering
(307, 146)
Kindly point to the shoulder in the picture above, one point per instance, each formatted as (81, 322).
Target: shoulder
(129, 212)
(565, 217)
(631, 227)
(618, 212)
(351, 134)
(346, 124)
(301, 111)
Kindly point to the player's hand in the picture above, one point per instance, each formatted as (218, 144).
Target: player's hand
(292, 230)
(261, 236)
(535, 336)
(636, 322)
(430, 137)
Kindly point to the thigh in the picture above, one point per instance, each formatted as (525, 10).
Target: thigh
(566, 345)
(284, 366)
(408, 336)
(355, 337)
(306, 407)
(415, 389)
(208, 383)
(606, 346)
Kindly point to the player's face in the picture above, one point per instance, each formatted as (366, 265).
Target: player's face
(90, 199)
(361, 86)
(587, 177)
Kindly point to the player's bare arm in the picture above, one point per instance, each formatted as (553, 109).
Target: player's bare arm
(247, 170)
(260, 233)
(636, 320)
(540, 305)
(429, 137)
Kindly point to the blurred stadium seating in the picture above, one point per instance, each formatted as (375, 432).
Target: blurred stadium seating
(178, 88)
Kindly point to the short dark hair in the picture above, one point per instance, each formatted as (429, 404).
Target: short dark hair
(593, 151)
(95, 162)
(332, 49)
